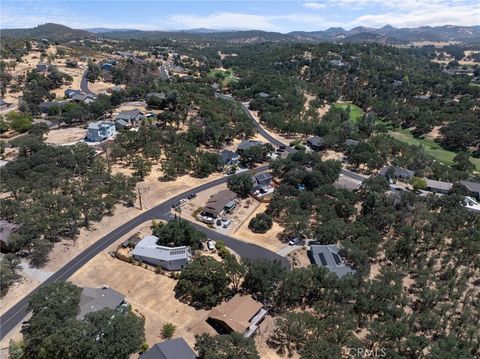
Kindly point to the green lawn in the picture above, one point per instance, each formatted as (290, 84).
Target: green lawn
(227, 75)
(356, 112)
(431, 147)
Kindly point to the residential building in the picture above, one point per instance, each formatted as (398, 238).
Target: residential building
(81, 97)
(121, 124)
(221, 202)
(169, 258)
(328, 256)
(399, 173)
(170, 349)
(41, 67)
(337, 63)
(71, 63)
(71, 92)
(263, 95)
(95, 299)
(106, 67)
(132, 116)
(6, 229)
(45, 107)
(349, 142)
(100, 131)
(241, 314)
(247, 144)
(316, 143)
(229, 157)
(438, 186)
(472, 187)
(262, 179)
(160, 95)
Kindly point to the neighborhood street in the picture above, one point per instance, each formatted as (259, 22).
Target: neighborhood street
(246, 250)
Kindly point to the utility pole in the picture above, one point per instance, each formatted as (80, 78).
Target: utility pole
(139, 197)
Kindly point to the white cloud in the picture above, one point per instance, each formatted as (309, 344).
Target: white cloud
(224, 21)
(314, 5)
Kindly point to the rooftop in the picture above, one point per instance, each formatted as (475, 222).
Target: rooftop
(246, 144)
(127, 115)
(148, 247)
(95, 299)
(446, 186)
(328, 256)
(170, 349)
(98, 125)
(237, 313)
(217, 202)
(471, 186)
(6, 228)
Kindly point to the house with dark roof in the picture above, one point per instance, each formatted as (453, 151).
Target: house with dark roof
(169, 258)
(316, 143)
(221, 202)
(349, 142)
(399, 173)
(472, 187)
(71, 63)
(95, 299)
(241, 314)
(328, 256)
(229, 157)
(41, 67)
(170, 349)
(107, 67)
(71, 92)
(100, 131)
(45, 107)
(6, 229)
(438, 186)
(132, 116)
(82, 97)
(247, 144)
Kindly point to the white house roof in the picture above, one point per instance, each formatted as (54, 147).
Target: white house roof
(148, 247)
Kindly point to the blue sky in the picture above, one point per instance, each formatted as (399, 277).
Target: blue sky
(278, 15)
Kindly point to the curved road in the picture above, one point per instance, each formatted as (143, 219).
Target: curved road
(84, 84)
(246, 250)
(17, 313)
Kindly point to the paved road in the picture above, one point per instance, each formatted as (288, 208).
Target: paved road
(84, 84)
(289, 149)
(248, 251)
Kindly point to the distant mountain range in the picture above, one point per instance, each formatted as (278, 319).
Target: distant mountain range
(386, 35)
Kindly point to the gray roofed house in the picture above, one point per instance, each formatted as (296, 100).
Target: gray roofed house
(169, 258)
(229, 157)
(47, 105)
(263, 94)
(100, 131)
(71, 92)
(247, 144)
(160, 95)
(349, 142)
(41, 67)
(131, 116)
(262, 179)
(95, 299)
(81, 97)
(220, 202)
(121, 124)
(170, 349)
(438, 186)
(400, 173)
(6, 229)
(328, 256)
(316, 143)
(473, 187)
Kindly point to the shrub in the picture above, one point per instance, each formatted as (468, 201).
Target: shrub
(261, 223)
(168, 330)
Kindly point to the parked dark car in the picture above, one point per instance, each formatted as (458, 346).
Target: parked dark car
(193, 195)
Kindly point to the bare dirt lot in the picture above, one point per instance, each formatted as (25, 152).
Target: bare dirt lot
(65, 136)
(270, 240)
